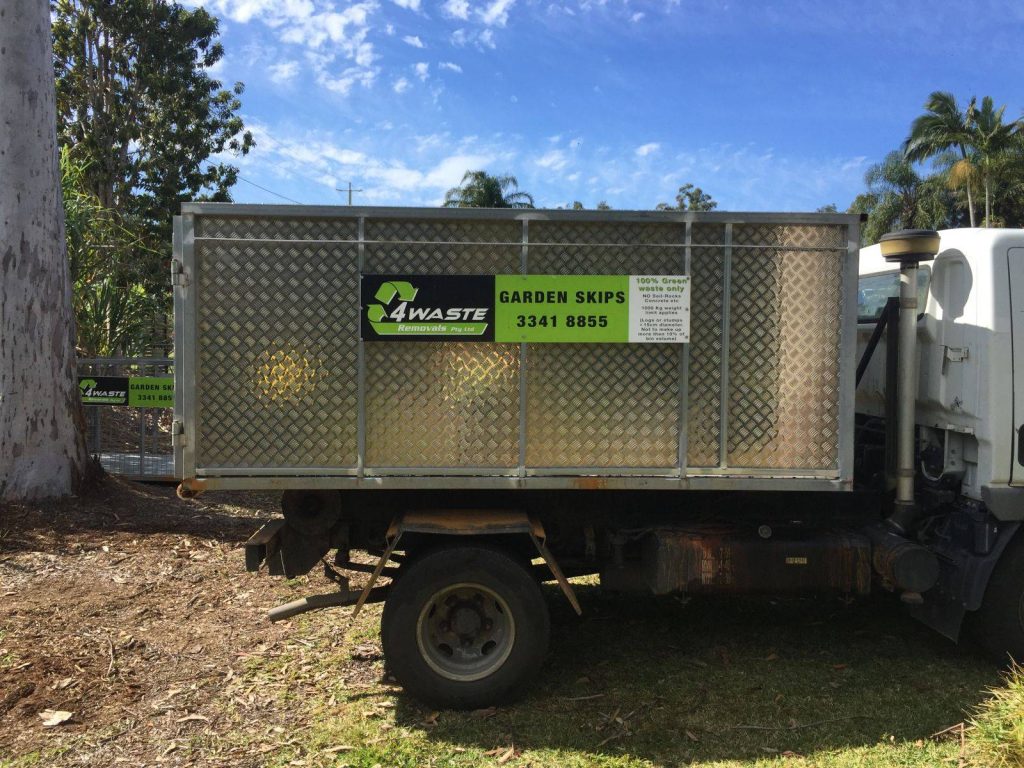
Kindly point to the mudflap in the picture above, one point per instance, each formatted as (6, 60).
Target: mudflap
(969, 543)
(285, 552)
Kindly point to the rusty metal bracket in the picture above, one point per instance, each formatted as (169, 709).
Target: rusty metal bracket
(468, 522)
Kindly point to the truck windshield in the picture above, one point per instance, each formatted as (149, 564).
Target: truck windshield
(874, 290)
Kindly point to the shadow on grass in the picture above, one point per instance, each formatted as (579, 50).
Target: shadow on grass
(655, 679)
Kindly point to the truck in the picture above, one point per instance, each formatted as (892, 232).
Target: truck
(678, 402)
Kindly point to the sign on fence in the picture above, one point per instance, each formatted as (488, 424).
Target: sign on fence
(135, 391)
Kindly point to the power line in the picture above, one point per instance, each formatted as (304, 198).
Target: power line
(275, 194)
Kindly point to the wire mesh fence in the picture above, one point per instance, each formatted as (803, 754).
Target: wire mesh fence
(131, 436)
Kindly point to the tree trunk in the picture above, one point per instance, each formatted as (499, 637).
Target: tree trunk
(970, 201)
(988, 204)
(42, 447)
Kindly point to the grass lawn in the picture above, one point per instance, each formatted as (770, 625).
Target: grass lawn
(131, 611)
(642, 682)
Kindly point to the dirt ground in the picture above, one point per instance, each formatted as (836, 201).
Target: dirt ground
(132, 610)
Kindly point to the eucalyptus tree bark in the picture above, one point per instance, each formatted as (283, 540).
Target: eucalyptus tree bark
(42, 448)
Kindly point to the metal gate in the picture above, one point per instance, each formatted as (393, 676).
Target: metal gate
(132, 441)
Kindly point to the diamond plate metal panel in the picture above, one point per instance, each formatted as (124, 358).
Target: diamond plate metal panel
(441, 259)
(442, 404)
(277, 355)
(595, 248)
(785, 312)
(443, 231)
(602, 405)
(705, 365)
(445, 404)
(606, 232)
(800, 236)
(707, 234)
(266, 228)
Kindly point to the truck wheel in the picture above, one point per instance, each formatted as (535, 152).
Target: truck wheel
(999, 623)
(465, 627)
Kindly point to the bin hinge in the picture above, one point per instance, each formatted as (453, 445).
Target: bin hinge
(178, 274)
(177, 433)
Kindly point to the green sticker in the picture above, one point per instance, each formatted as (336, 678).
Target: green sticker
(151, 391)
(561, 308)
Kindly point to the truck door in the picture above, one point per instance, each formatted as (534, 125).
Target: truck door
(1015, 263)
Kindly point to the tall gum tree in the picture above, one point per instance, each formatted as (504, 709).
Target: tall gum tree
(42, 448)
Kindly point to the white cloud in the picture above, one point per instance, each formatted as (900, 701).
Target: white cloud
(283, 71)
(554, 160)
(401, 85)
(450, 171)
(327, 77)
(389, 30)
(301, 22)
(486, 40)
(637, 16)
(422, 69)
(412, 5)
(414, 41)
(646, 149)
(496, 14)
(459, 37)
(456, 9)
(451, 66)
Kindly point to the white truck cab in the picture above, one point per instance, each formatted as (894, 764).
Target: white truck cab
(970, 401)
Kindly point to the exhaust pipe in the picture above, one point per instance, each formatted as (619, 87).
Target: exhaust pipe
(908, 248)
(901, 562)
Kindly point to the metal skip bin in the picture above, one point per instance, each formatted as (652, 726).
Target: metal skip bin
(531, 349)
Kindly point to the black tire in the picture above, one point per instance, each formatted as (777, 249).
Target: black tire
(999, 624)
(442, 588)
(311, 513)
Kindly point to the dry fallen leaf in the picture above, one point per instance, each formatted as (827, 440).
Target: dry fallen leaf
(507, 756)
(431, 719)
(52, 717)
(691, 736)
(339, 748)
(190, 718)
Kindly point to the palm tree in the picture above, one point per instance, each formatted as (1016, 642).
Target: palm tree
(898, 198)
(942, 127)
(481, 190)
(992, 140)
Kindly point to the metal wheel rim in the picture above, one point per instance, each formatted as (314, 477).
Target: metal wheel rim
(465, 632)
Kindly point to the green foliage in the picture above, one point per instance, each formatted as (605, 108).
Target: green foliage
(112, 307)
(899, 198)
(479, 189)
(973, 148)
(136, 102)
(996, 736)
(690, 198)
(112, 319)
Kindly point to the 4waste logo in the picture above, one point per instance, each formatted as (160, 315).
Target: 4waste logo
(427, 307)
(104, 390)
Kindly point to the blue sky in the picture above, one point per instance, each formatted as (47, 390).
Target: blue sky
(765, 105)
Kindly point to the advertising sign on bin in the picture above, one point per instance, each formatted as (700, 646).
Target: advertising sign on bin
(624, 309)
